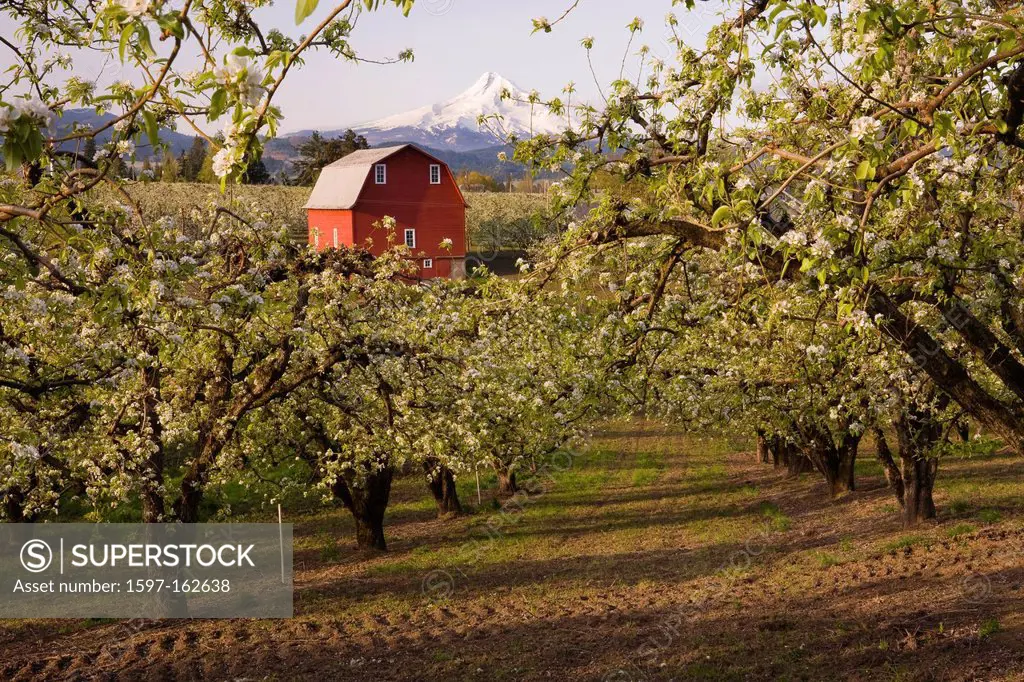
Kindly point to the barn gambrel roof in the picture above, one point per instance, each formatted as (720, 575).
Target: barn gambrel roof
(340, 183)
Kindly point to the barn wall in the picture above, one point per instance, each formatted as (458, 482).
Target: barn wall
(436, 212)
(323, 222)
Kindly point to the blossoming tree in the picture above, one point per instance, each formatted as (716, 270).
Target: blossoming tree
(126, 336)
(871, 149)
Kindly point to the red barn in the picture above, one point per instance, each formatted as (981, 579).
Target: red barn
(418, 190)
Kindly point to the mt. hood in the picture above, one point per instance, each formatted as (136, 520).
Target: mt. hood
(452, 124)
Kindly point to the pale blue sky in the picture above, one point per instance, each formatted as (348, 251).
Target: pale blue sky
(455, 41)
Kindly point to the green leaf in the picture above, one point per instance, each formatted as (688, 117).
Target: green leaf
(865, 170)
(303, 8)
(152, 129)
(145, 42)
(126, 36)
(720, 214)
(819, 14)
(218, 103)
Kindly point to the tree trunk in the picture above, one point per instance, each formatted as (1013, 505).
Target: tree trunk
(763, 455)
(796, 462)
(153, 510)
(14, 505)
(367, 503)
(214, 432)
(506, 480)
(919, 431)
(845, 470)
(892, 472)
(441, 481)
(186, 507)
(834, 462)
(918, 481)
(783, 454)
(778, 454)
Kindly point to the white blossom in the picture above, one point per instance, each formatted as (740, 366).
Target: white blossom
(864, 126)
(222, 162)
(33, 108)
(135, 8)
(25, 451)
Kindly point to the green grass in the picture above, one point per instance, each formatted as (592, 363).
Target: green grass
(960, 530)
(777, 519)
(989, 516)
(989, 628)
(826, 560)
(959, 507)
(648, 469)
(905, 542)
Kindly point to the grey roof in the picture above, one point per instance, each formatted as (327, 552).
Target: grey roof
(340, 183)
(361, 157)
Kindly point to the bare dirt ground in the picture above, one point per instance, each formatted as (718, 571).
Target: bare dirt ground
(653, 555)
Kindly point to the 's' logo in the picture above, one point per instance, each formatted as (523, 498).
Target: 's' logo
(36, 556)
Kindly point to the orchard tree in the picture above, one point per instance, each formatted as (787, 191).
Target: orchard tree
(880, 160)
(123, 334)
(531, 382)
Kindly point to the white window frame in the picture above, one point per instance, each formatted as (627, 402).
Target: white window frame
(380, 174)
(435, 168)
(410, 232)
(428, 263)
(335, 237)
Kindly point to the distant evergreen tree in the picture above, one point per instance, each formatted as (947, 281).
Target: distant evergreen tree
(317, 152)
(256, 174)
(205, 173)
(190, 163)
(88, 149)
(169, 169)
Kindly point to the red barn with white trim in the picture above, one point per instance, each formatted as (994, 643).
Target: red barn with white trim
(353, 194)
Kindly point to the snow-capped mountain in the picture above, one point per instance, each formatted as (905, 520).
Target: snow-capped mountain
(453, 123)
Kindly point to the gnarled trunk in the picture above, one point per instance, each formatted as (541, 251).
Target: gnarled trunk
(441, 482)
(506, 480)
(918, 482)
(507, 483)
(892, 472)
(963, 429)
(784, 455)
(763, 454)
(796, 462)
(14, 506)
(919, 432)
(367, 503)
(834, 461)
(777, 449)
